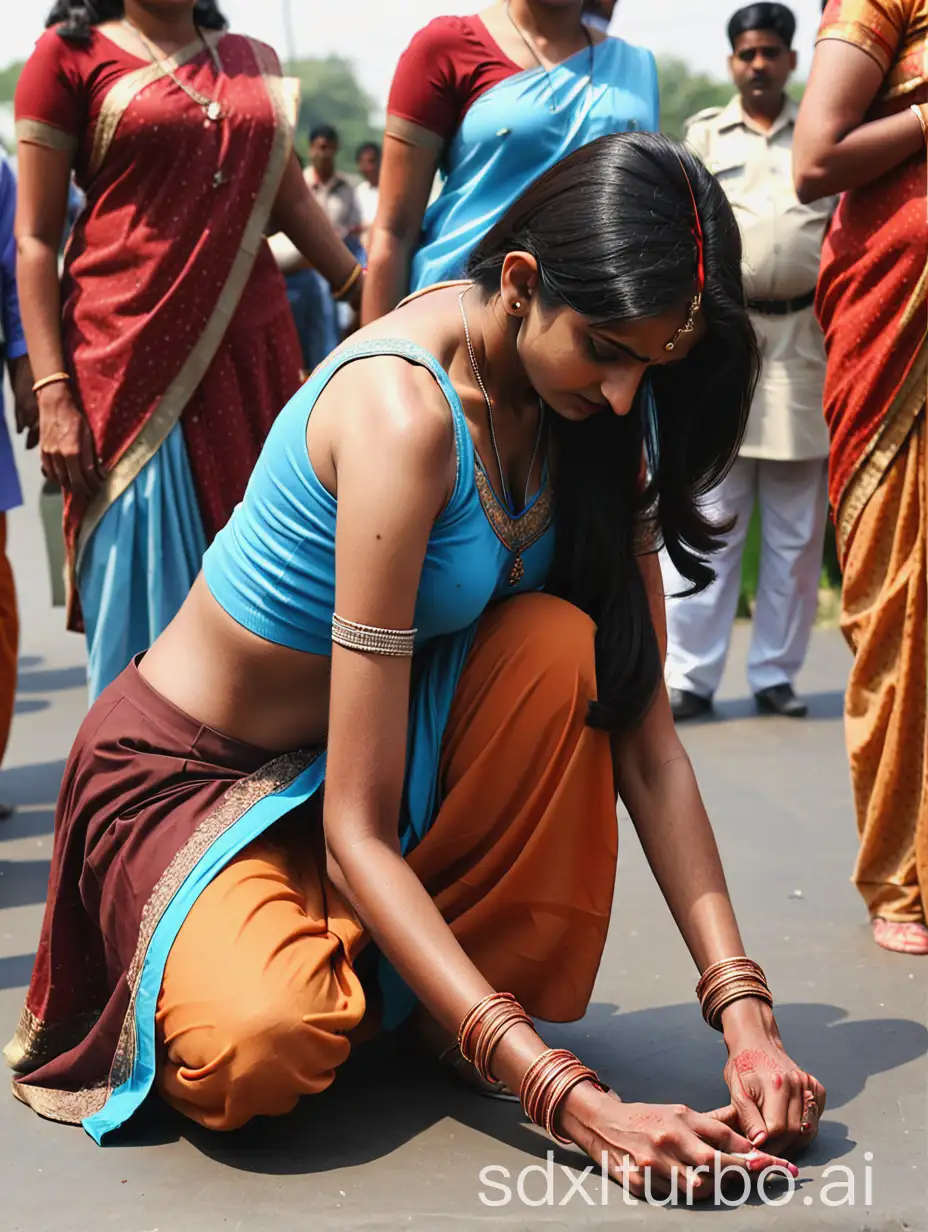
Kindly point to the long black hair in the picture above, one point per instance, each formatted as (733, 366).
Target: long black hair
(75, 21)
(611, 228)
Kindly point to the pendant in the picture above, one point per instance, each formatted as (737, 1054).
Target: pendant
(518, 571)
(214, 111)
(219, 179)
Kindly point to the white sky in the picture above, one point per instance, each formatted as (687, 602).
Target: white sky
(372, 33)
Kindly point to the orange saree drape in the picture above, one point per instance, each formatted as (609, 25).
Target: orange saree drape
(873, 306)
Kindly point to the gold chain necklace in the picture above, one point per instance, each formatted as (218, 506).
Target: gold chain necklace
(507, 499)
(211, 106)
(533, 49)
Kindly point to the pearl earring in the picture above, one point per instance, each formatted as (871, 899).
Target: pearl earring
(517, 304)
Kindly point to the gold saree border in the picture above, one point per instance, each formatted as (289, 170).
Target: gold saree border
(515, 534)
(411, 133)
(72, 1107)
(127, 88)
(38, 132)
(861, 36)
(171, 405)
(907, 405)
(35, 1042)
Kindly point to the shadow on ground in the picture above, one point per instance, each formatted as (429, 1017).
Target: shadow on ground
(31, 823)
(37, 783)
(52, 680)
(386, 1096)
(16, 971)
(23, 882)
(822, 706)
(30, 705)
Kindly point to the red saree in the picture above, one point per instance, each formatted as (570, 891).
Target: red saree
(872, 287)
(172, 306)
(873, 307)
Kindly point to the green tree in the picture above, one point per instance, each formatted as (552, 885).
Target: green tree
(8, 79)
(330, 94)
(684, 92)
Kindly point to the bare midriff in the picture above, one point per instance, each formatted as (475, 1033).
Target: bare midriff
(228, 678)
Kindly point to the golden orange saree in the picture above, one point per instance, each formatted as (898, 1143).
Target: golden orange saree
(873, 307)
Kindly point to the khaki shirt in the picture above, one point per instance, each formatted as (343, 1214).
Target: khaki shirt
(782, 247)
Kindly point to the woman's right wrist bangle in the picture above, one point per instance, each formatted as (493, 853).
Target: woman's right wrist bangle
(921, 113)
(52, 379)
(345, 288)
(548, 1080)
(727, 981)
(547, 1083)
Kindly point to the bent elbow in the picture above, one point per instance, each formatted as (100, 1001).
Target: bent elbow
(811, 175)
(810, 185)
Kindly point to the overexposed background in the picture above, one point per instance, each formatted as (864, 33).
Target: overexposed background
(372, 33)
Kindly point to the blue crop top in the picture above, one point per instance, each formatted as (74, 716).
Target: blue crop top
(272, 567)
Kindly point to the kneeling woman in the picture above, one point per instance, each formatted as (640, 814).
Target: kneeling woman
(438, 600)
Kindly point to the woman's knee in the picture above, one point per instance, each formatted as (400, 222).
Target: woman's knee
(253, 1055)
(557, 639)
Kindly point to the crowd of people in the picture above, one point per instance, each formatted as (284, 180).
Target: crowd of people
(373, 495)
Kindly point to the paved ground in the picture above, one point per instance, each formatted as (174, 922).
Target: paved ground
(392, 1147)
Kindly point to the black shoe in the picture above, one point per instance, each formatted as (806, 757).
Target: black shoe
(780, 699)
(686, 705)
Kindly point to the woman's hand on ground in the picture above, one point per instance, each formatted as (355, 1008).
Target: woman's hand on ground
(775, 1102)
(653, 1149)
(66, 442)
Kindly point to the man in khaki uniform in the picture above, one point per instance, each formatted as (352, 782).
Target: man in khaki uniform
(748, 147)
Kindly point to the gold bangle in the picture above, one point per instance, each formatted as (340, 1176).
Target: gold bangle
(51, 380)
(921, 112)
(349, 282)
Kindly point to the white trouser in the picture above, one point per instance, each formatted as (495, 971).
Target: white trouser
(793, 509)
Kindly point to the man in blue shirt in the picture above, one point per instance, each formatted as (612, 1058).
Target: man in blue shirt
(14, 357)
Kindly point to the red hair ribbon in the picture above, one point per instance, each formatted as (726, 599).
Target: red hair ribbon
(697, 234)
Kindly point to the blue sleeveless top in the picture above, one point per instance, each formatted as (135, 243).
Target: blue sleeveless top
(272, 567)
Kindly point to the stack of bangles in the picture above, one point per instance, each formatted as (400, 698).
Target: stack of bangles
(549, 1078)
(344, 291)
(727, 981)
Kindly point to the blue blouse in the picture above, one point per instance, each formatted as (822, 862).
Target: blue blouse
(517, 130)
(272, 567)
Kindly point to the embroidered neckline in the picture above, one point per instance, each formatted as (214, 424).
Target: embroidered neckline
(516, 534)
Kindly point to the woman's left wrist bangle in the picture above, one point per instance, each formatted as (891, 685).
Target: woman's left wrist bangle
(348, 285)
(921, 114)
(52, 379)
(724, 983)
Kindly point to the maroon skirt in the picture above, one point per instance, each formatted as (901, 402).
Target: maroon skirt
(147, 793)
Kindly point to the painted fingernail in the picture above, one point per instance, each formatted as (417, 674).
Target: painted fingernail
(804, 1127)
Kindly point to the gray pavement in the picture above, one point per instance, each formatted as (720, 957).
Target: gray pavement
(391, 1145)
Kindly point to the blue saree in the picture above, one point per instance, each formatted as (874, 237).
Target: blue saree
(516, 131)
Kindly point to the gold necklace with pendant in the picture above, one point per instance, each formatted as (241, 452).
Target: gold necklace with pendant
(212, 109)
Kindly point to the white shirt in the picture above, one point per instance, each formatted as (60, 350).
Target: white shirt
(782, 248)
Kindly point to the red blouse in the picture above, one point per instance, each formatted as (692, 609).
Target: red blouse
(444, 70)
(63, 84)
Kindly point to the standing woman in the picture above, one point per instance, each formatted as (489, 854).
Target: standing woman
(862, 131)
(492, 100)
(164, 354)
